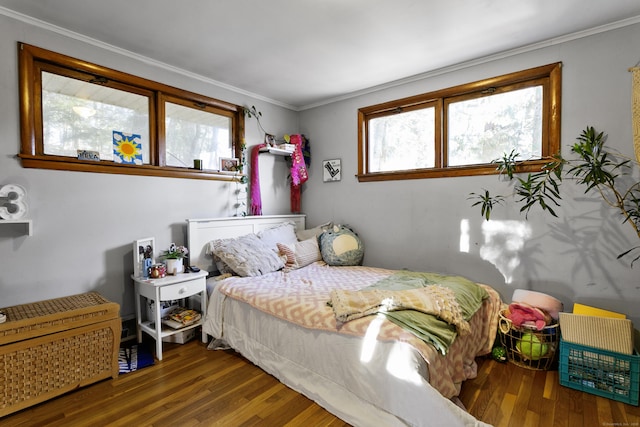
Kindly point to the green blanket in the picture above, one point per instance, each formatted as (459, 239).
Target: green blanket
(425, 326)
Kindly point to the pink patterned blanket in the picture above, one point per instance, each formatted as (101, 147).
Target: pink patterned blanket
(301, 296)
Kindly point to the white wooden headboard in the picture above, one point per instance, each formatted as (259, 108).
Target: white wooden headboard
(201, 231)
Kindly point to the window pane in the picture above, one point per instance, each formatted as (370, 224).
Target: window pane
(196, 134)
(483, 129)
(78, 115)
(402, 141)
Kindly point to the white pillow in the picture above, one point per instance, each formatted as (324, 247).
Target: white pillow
(301, 254)
(281, 233)
(247, 255)
(313, 232)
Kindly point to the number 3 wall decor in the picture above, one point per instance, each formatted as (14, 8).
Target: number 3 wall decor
(12, 202)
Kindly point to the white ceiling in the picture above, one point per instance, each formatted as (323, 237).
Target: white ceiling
(301, 53)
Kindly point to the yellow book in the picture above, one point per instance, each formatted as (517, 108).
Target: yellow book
(593, 311)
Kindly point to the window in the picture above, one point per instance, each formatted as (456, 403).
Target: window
(80, 115)
(415, 128)
(83, 117)
(460, 130)
(196, 132)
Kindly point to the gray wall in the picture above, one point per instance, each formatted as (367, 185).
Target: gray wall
(417, 224)
(84, 223)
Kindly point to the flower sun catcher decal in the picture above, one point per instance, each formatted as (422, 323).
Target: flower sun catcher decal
(127, 148)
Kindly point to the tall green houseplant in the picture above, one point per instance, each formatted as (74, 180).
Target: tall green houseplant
(594, 167)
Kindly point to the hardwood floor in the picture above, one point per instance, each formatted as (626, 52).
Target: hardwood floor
(504, 394)
(193, 386)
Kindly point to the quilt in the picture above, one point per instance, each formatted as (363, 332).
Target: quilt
(300, 296)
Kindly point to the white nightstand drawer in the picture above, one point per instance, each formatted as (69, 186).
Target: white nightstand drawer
(181, 290)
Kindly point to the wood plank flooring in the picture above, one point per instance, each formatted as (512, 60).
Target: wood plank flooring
(193, 386)
(505, 395)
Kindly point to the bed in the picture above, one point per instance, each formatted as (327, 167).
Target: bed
(367, 371)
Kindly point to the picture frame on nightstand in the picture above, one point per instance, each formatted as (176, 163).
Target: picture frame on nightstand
(143, 256)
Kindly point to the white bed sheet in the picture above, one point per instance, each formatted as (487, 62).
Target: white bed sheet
(329, 368)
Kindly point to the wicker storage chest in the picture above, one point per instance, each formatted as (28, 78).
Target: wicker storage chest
(50, 347)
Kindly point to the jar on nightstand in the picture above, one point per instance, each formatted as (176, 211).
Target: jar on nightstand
(157, 271)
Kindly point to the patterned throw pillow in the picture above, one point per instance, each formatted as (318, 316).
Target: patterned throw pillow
(220, 265)
(247, 255)
(341, 246)
(300, 254)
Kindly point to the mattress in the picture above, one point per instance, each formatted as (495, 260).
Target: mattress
(360, 374)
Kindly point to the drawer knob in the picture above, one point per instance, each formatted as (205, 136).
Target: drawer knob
(183, 290)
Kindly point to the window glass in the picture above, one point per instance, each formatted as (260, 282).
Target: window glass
(78, 115)
(461, 130)
(196, 134)
(402, 141)
(482, 129)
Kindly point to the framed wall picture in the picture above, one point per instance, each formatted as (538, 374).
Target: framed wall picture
(331, 170)
(143, 256)
(229, 164)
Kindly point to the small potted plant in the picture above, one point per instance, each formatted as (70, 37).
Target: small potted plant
(173, 258)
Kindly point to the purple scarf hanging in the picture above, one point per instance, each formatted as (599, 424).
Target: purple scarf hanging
(256, 198)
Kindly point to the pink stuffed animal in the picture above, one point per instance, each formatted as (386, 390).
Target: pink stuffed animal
(522, 314)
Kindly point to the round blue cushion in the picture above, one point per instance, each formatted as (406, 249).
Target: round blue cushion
(341, 246)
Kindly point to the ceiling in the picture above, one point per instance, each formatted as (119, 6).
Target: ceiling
(301, 53)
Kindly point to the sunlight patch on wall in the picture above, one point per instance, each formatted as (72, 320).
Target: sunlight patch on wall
(464, 236)
(503, 241)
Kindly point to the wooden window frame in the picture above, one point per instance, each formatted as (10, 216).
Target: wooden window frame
(33, 59)
(549, 76)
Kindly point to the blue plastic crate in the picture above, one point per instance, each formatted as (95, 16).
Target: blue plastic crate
(600, 372)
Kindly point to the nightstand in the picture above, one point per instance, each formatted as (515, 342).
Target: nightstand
(178, 287)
